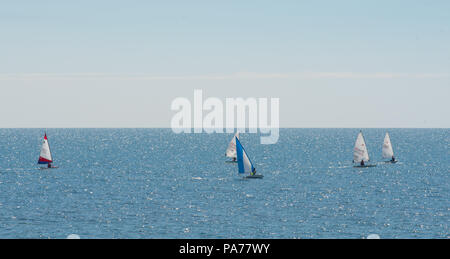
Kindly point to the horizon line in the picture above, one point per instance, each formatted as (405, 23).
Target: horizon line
(236, 75)
(224, 128)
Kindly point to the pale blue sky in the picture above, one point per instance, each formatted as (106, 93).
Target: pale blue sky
(121, 63)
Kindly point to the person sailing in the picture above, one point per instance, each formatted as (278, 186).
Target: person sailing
(253, 172)
(393, 159)
(362, 162)
(234, 158)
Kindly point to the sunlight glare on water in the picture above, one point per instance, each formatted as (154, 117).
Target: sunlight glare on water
(152, 183)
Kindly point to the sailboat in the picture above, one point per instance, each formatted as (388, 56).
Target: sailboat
(245, 165)
(231, 150)
(360, 153)
(45, 158)
(388, 152)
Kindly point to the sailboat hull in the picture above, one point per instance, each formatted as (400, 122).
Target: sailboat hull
(45, 168)
(258, 176)
(364, 166)
(231, 161)
(391, 162)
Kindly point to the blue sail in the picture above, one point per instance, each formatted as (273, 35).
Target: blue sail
(245, 165)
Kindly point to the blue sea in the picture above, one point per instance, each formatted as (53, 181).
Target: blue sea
(152, 183)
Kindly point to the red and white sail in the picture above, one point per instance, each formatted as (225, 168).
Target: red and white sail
(45, 156)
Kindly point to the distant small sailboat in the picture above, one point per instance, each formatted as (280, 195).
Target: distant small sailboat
(388, 152)
(231, 150)
(360, 153)
(45, 158)
(245, 165)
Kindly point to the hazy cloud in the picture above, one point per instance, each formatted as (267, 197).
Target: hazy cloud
(241, 75)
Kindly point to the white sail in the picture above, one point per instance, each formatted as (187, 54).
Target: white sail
(360, 152)
(231, 150)
(388, 152)
(45, 156)
(248, 167)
